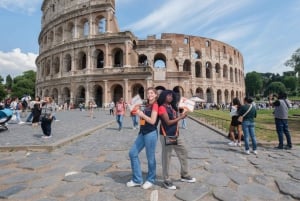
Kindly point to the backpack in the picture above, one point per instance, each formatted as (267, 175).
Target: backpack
(24, 103)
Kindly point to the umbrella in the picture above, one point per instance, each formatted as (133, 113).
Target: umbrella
(197, 99)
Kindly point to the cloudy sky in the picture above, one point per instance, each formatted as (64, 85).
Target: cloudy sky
(266, 32)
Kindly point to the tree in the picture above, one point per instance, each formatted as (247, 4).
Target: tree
(290, 82)
(275, 87)
(294, 61)
(254, 83)
(24, 84)
(3, 92)
(8, 82)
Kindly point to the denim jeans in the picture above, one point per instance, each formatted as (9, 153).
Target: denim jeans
(248, 129)
(135, 120)
(183, 123)
(119, 119)
(46, 126)
(148, 141)
(282, 128)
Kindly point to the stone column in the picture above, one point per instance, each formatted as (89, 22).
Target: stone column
(126, 64)
(126, 97)
(107, 61)
(106, 95)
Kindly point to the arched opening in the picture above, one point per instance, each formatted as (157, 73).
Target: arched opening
(56, 65)
(55, 95)
(209, 95)
(80, 96)
(197, 54)
(179, 92)
(199, 93)
(98, 94)
(218, 70)
(67, 63)
(219, 97)
(100, 58)
(226, 96)
(138, 89)
(208, 70)
(66, 95)
(225, 72)
(101, 25)
(160, 61)
(143, 60)
(118, 57)
(81, 61)
(117, 92)
(187, 66)
(231, 75)
(198, 69)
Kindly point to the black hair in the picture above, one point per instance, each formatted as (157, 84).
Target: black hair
(282, 95)
(236, 101)
(248, 99)
(162, 98)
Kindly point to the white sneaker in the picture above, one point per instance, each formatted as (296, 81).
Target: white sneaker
(132, 184)
(147, 185)
(232, 144)
(46, 137)
(21, 122)
(255, 152)
(239, 144)
(247, 152)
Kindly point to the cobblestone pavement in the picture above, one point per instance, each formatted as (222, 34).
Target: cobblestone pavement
(88, 161)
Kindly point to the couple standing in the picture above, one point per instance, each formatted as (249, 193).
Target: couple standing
(163, 108)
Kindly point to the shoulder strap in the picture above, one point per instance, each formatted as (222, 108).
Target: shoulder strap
(247, 111)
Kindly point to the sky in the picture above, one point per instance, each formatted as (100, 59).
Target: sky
(266, 32)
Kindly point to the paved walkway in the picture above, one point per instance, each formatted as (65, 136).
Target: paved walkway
(87, 160)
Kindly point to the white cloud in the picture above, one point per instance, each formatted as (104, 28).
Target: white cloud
(15, 62)
(26, 6)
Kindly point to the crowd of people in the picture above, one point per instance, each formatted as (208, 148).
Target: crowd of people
(159, 119)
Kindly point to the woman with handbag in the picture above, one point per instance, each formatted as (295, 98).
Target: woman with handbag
(147, 138)
(248, 112)
(47, 116)
(169, 138)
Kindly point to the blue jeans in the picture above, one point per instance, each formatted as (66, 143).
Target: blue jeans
(149, 142)
(248, 129)
(283, 128)
(46, 126)
(135, 120)
(183, 123)
(119, 119)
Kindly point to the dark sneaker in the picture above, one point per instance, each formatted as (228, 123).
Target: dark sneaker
(188, 179)
(278, 147)
(169, 185)
(288, 147)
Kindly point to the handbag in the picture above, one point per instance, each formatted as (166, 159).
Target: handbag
(170, 139)
(241, 118)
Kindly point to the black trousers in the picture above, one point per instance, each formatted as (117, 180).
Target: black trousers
(46, 126)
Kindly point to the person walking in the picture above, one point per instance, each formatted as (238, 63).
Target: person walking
(248, 111)
(111, 108)
(169, 118)
(235, 124)
(135, 118)
(47, 116)
(16, 106)
(281, 109)
(120, 112)
(147, 138)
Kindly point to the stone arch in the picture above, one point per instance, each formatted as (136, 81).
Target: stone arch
(209, 95)
(138, 89)
(219, 96)
(80, 95)
(236, 75)
(197, 54)
(225, 71)
(231, 74)
(218, 70)
(70, 31)
(226, 96)
(51, 37)
(143, 60)
(200, 93)
(83, 27)
(177, 64)
(208, 70)
(117, 57)
(56, 65)
(54, 94)
(82, 60)
(46, 93)
(230, 61)
(232, 95)
(98, 95)
(66, 95)
(160, 60)
(179, 92)
(198, 69)
(187, 66)
(99, 55)
(59, 34)
(67, 63)
(117, 92)
(47, 69)
(101, 24)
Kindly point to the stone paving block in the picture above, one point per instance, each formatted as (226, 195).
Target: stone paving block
(192, 192)
(5, 194)
(289, 187)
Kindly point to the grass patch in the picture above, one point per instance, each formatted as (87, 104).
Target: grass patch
(265, 125)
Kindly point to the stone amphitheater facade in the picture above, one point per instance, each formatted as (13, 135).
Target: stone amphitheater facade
(84, 56)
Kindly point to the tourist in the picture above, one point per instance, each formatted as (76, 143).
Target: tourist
(135, 118)
(47, 116)
(111, 108)
(147, 138)
(16, 106)
(120, 112)
(235, 124)
(169, 127)
(36, 111)
(248, 112)
(282, 105)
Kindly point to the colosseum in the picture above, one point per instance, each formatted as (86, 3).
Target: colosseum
(84, 56)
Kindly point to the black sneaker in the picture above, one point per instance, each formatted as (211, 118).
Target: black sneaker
(188, 179)
(169, 185)
(288, 147)
(278, 147)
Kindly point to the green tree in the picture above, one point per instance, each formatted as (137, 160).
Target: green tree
(254, 83)
(275, 88)
(3, 92)
(290, 82)
(24, 84)
(294, 61)
(1, 79)
(8, 82)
